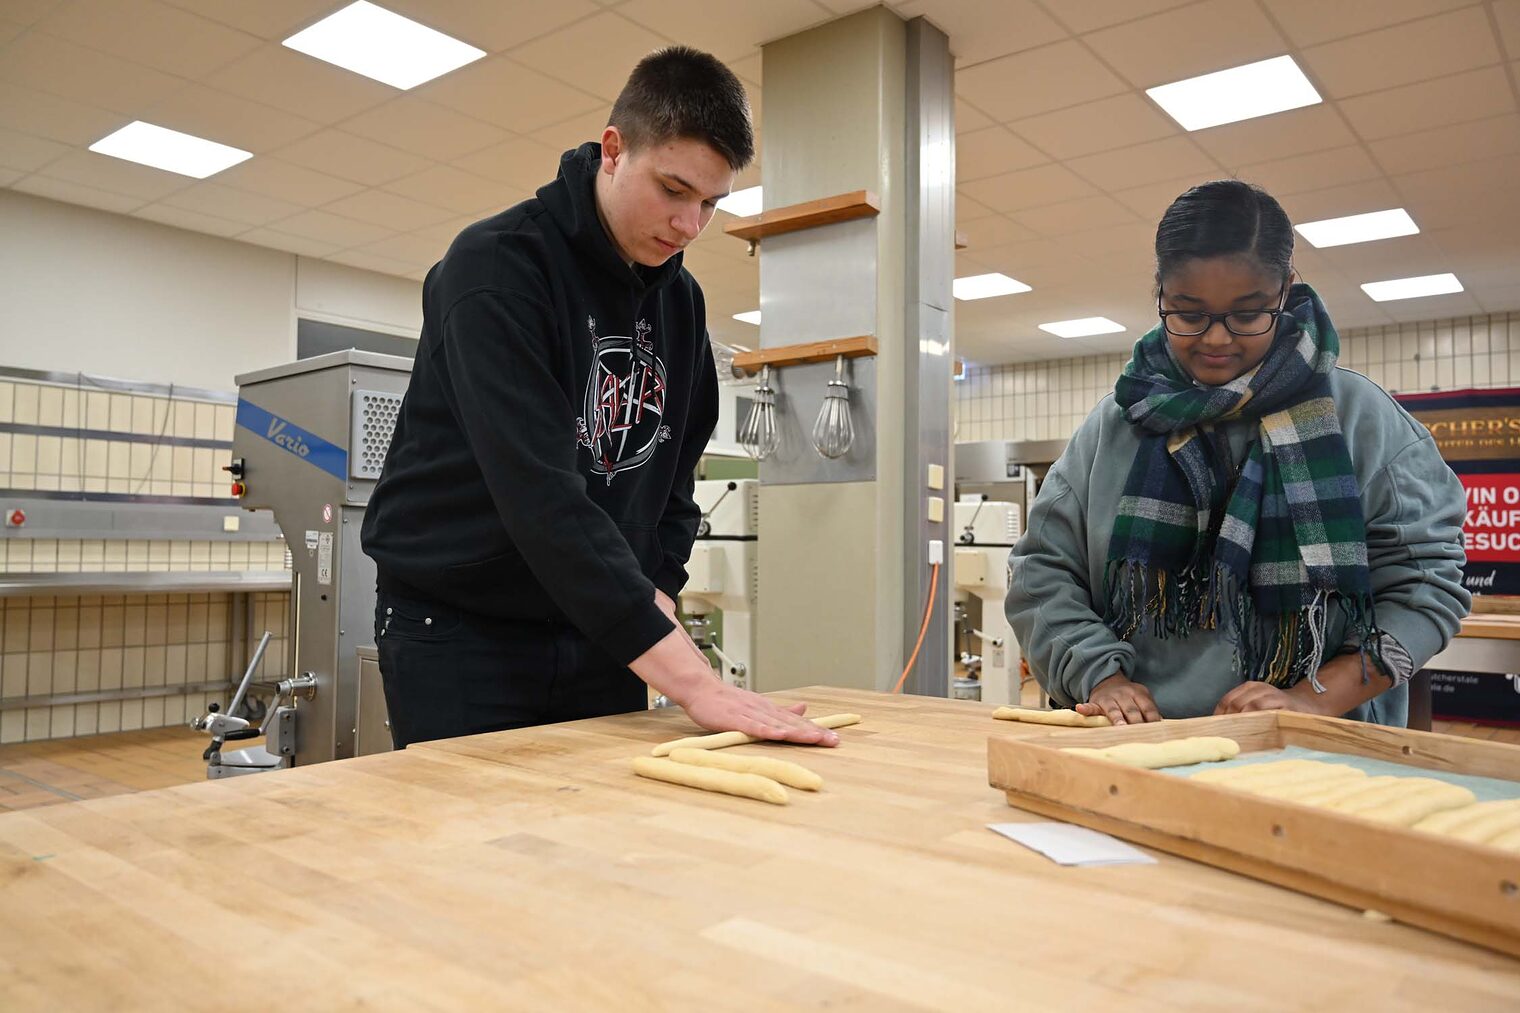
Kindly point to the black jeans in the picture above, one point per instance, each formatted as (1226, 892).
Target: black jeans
(449, 673)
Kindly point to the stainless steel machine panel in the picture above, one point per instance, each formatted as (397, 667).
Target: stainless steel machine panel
(308, 456)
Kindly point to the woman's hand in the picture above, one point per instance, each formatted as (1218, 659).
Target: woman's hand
(1258, 696)
(1121, 701)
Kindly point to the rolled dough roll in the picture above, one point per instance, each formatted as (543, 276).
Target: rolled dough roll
(725, 781)
(1309, 780)
(1411, 806)
(793, 774)
(1171, 753)
(1058, 717)
(1478, 823)
(1373, 796)
(723, 739)
(1322, 795)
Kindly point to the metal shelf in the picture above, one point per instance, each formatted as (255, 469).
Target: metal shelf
(144, 582)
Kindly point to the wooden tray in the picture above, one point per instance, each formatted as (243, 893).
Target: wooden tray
(1457, 888)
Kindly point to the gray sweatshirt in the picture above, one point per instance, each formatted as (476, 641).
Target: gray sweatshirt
(1412, 503)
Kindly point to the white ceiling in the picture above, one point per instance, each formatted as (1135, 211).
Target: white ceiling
(1064, 165)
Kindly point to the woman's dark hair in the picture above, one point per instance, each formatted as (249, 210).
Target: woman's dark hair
(682, 92)
(1222, 218)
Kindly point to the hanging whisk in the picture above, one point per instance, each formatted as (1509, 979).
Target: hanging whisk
(833, 433)
(759, 437)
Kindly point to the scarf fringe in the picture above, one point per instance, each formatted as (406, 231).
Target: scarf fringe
(1280, 650)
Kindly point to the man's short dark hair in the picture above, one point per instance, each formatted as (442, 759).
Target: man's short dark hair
(683, 92)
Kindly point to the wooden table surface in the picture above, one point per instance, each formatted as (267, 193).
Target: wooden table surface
(532, 870)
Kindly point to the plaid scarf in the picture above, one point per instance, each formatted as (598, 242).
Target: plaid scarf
(1267, 555)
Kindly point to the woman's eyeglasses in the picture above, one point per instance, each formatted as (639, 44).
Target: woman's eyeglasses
(1241, 323)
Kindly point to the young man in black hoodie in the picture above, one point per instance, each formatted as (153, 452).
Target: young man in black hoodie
(533, 521)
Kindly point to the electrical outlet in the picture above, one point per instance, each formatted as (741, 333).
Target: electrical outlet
(936, 551)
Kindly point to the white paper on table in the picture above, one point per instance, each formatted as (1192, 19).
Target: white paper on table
(1072, 845)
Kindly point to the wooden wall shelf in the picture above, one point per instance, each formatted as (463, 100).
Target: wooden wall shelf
(813, 351)
(845, 207)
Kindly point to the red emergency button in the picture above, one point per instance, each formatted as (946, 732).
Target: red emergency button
(238, 489)
(16, 518)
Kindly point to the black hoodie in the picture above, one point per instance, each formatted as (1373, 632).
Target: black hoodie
(543, 459)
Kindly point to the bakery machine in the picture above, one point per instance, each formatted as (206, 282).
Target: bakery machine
(985, 649)
(310, 441)
(723, 572)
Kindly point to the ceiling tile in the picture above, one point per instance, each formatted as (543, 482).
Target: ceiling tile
(981, 30)
(519, 161)
(447, 187)
(373, 262)
(500, 91)
(27, 12)
(9, 30)
(733, 33)
(228, 119)
(491, 24)
(9, 176)
(301, 84)
(76, 193)
(276, 240)
(1431, 47)
(1473, 95)
(995, 231)
(27, 153)
(1014, 191)
(237, 205)
(1134, 242)
(981, 153)
(1472, 180)
(411, 249)
(748, 69)
(1507, 14)
(968, 117)
(571, 133)
(1103, 125)
(968, 209)
(330, 228)
(146, 31)
(1403, 257)
(595, 55)
(1198, 39)
(283, 181)
(1295, 132)
(1150, 202)
(1090, 15)
(1460, 142)
(349, 156)
(388, 210)
(1075, 216)
(194, 221)
(43, 115)
(1037, 81)
(268, 19)
(1314, 171)
(115, 175)
(423, 128)
(1310, 22)
(1151, 162)
(1339, 201)
(93, 78)
(1040, 263)
(444, 232)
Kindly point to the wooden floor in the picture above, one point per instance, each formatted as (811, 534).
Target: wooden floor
(67, 770)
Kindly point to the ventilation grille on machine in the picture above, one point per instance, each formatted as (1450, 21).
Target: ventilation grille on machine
(373, 422)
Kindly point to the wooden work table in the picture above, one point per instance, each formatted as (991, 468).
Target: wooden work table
(531, 870)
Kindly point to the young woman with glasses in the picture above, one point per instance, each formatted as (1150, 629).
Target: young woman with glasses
(1242, 525)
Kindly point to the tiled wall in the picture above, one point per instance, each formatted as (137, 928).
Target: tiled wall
(115, 642)
(121, 443)
(132, 458)
(1049, 400)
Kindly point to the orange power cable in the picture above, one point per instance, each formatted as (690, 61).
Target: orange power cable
(928, 612)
